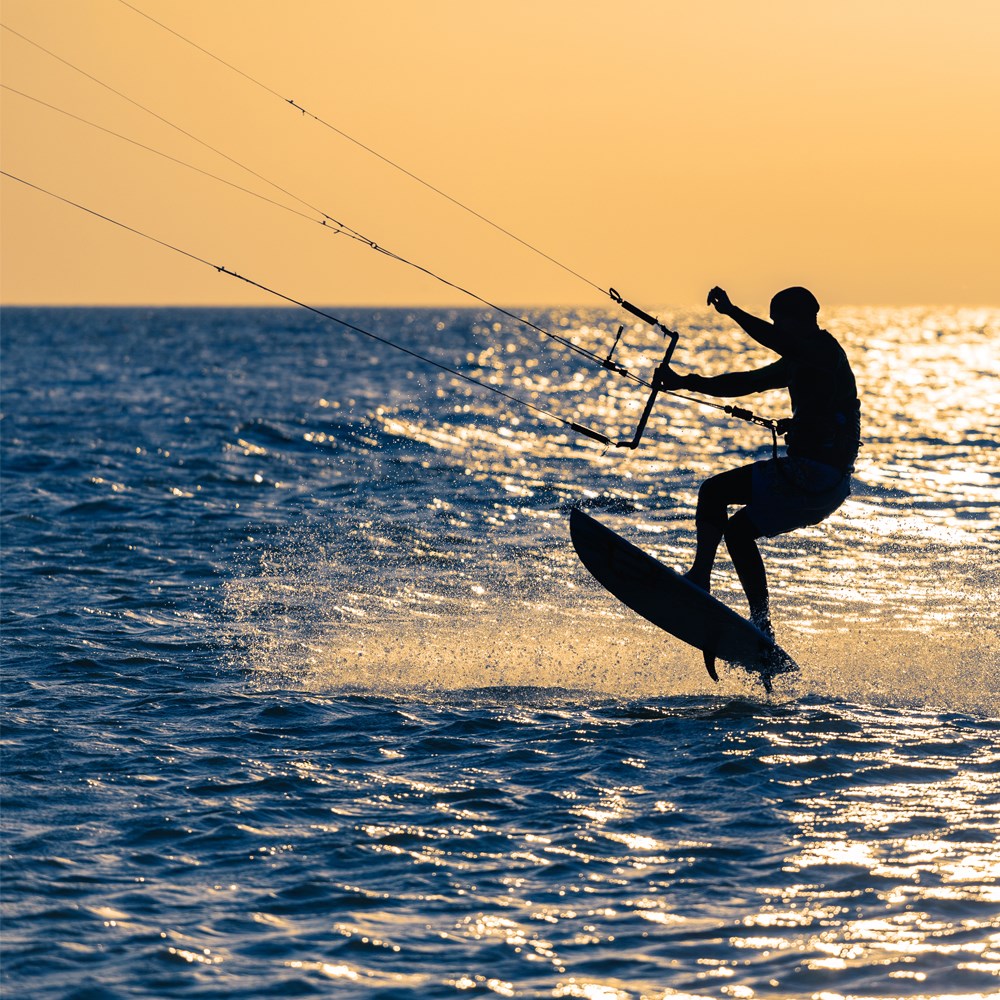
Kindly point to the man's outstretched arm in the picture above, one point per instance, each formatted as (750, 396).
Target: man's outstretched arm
(774, 376)
(763, 332)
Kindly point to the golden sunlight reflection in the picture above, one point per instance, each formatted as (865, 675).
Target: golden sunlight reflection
(476, 585)
(898, 863)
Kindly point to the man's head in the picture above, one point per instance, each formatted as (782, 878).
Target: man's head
(794, 307)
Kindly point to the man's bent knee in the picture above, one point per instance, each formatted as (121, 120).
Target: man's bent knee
(740, 528)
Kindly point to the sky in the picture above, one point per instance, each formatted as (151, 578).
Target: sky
(658, 147)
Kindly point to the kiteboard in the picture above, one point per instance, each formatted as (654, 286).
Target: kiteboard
(673, 603)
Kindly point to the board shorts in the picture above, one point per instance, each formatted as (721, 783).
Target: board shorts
(788, 493)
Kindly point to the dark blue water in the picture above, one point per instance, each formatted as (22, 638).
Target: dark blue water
(305, 693)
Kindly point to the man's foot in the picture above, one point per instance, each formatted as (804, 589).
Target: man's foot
(704, 582)
(762, 622)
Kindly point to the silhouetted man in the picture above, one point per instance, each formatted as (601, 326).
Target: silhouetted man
(823, 437)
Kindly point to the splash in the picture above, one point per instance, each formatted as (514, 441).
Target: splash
(447, 564)
(305, 619)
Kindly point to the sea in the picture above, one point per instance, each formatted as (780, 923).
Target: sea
(306, 694)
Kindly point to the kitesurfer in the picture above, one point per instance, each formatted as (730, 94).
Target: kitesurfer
(812, 479)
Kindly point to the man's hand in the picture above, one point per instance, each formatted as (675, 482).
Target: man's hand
(666, 378)
(720, 299)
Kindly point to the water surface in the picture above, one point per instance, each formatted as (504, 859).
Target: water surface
(305, 692)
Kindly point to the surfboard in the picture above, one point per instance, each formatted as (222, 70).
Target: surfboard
(673, 603)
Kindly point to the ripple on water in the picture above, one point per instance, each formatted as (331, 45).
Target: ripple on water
(305, 692)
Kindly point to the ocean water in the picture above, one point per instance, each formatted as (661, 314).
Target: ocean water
(306, 694)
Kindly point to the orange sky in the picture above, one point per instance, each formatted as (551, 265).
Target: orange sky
(657, 146)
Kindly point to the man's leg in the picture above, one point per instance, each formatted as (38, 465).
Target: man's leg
(741, 541)
(714, 497)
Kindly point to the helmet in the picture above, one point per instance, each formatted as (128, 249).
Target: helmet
(796, 304)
